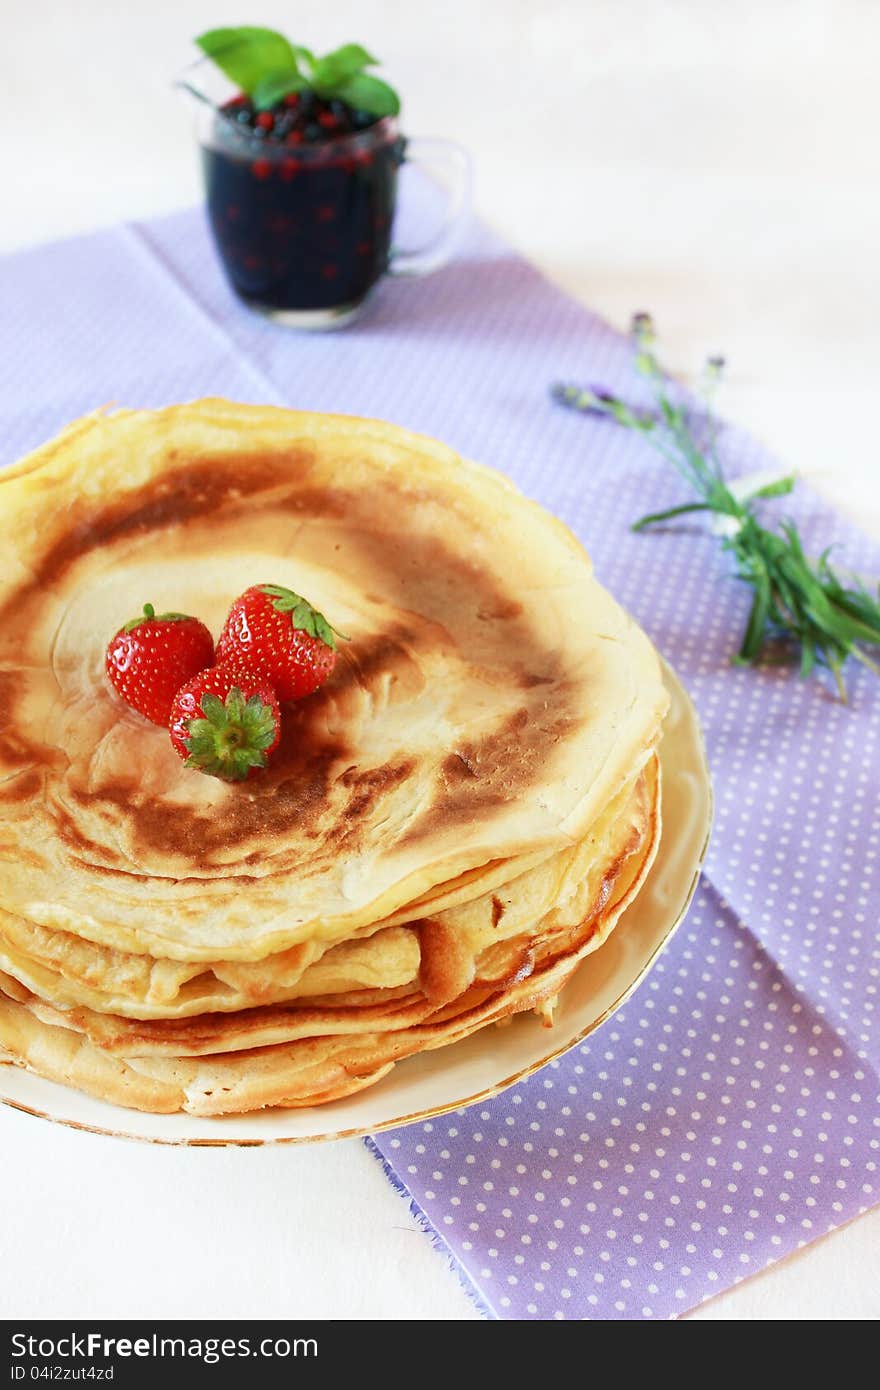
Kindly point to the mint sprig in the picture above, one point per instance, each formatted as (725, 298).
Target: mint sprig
(303, 616)
(268, 67)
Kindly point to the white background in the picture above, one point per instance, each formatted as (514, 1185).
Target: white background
(715, 163)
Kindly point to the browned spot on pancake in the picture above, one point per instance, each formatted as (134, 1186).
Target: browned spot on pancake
(196, 489)
(281, 807)
(507, 962)
(321, 501)
(458, 765)
(497, 909)
(500, 610)
(447, 965)
(528, 680)
(16, 748)
(22, 787)
(290, 795)
(369, 785)
(388, 654)
(495, 769)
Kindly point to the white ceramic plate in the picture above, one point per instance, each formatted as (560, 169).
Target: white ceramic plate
(488, 1061)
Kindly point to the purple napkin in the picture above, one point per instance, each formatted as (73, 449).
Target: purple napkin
(729, 1112)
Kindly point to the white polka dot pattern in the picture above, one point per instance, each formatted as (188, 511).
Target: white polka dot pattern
(730, 1111)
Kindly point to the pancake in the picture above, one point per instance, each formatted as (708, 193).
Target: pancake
(460, 814)
(492, 700)
(272, 1062)
(401, 974)
(72, 972)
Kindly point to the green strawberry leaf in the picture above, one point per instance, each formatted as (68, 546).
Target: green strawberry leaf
(213, 710)
(367, 93)
(275, 86)
(248, 53)
(232, 737)
(303, 616)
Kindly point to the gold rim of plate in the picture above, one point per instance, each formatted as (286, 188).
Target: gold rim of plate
(664, 900)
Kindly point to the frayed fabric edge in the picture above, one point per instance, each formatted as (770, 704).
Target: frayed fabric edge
(423, 1220)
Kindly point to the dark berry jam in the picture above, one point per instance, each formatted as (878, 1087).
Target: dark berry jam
(301, 200)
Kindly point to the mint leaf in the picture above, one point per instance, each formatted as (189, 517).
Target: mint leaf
(338, 66)
(304, 56)
(350, 58)
(367, 93)
(247, 54)
(275, 86)
(265, 65)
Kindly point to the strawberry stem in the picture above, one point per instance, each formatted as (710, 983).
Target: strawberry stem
(149, 616)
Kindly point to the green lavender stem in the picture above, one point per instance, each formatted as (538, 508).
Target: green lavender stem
(793, 597)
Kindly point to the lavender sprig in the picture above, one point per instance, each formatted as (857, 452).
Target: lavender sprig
(801, 601)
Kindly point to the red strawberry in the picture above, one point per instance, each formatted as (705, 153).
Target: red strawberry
(226, 722)
(150, 658)
(275, 633)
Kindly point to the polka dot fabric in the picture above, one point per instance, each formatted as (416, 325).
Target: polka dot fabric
(729, 1112)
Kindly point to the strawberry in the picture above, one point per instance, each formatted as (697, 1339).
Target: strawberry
(225, 722)
(276, 633)
(150, 658)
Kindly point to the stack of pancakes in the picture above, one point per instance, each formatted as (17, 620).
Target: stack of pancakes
(448, 827)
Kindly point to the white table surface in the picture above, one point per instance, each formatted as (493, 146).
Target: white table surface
(714, 163)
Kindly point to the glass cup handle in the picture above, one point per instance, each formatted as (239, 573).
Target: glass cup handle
(434, 152)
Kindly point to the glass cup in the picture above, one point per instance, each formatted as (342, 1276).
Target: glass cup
(304, 233)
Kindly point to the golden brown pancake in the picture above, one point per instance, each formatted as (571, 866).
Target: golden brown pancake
(290, 1057)
(492, 700)
(402, 974)
(427, 850)
(72, 972)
